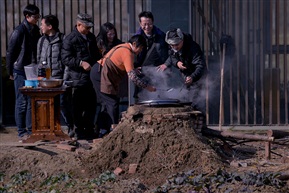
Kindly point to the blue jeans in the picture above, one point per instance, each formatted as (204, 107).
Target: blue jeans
(22, 107)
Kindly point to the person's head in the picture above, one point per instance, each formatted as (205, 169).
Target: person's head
(175, 38)
(138, 42)
(146, 22)
(84, 23)
(31, 14)
(49, 24)
(107, 33)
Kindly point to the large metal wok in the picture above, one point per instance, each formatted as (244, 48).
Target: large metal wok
(161, 102)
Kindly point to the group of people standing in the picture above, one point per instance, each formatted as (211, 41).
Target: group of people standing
(96, 65)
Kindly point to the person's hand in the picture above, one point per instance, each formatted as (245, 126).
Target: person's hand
(188, 80)
(181, 65)
(138, 71)
(86, 66)
(11, 77)
(151, 88)
(162, 67)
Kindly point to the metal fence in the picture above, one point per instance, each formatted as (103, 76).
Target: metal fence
(256, 72)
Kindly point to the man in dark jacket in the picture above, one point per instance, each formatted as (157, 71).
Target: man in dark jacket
(156, 51)
(187, 56)
(21, 51)
(80, 53)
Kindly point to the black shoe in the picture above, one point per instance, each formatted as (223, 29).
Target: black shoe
(79, 136)
(71, 134)
(90, 134)
(102, 133)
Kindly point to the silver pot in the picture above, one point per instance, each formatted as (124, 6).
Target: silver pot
(51, 83)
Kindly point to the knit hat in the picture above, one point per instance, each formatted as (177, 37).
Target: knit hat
(85, 19)
(174, 36)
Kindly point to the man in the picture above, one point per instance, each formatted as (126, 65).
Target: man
(156, 51)
(116, 64)
(79, 54)
(21, 51)
(187, 56)
(49, 50)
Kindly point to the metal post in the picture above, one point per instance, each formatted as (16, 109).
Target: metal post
(1, 95)
(131, 30)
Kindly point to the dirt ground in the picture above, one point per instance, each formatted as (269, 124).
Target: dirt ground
(168, 154)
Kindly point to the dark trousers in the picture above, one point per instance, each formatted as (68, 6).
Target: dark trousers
(84, 106)
(109, 113)
(66, 108)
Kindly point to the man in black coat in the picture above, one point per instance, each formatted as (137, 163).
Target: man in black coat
(21, 51)
(187, 56)
(152, 56)
(79, 54)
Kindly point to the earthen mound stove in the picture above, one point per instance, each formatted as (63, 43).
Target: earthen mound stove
(159, 141)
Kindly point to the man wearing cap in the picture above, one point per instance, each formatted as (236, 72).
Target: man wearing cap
(187, 56)
(79, 54)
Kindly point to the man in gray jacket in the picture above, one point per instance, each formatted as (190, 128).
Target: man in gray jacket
(49, 50)
(21, 52)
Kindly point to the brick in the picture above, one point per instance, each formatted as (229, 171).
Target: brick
(96, 141)
(147, 118)
(66, 147)
(80, 151)
(132, 168)
(234, 163)
(118, 171)
(144, 130)
(113, 126)
(157, 116)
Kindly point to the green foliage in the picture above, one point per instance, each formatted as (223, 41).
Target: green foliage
(106, 176)
(54, 180)
(2, 175)
(200, 182)
(21, 178)
(3, 190)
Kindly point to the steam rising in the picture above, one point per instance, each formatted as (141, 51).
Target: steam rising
(170, 84)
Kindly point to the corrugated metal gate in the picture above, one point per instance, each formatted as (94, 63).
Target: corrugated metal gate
(256, 70)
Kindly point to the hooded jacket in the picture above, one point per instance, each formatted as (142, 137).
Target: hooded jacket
(22, 47)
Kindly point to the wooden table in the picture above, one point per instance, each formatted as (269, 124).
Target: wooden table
(45, 109)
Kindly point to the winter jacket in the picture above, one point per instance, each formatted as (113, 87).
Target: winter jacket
(159, 54)
(76, 48)
(51, 53)
(22, 47)
(192, 57)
